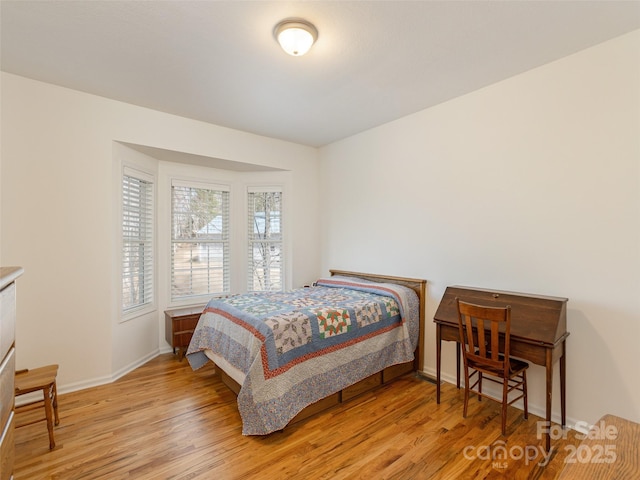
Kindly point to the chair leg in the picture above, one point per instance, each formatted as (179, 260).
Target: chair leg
(505, 391)
(466, 391)
(524, 391)
(55, 403)
(48, 410)
(479, 386)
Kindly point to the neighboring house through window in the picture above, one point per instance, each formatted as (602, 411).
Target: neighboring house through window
(200, 254)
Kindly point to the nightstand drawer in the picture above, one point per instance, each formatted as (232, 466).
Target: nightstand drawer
(179, 325)
(182, 339)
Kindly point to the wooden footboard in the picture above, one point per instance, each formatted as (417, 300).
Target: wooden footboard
(378, 379)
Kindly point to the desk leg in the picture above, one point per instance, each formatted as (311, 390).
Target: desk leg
(563, 382)
(549, 367)
(438, 360)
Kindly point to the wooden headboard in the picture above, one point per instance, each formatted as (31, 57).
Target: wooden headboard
(417, 285)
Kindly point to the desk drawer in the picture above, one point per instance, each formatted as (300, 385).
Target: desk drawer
(7, 372)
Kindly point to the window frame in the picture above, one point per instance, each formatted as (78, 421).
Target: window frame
(212, 185)
(249, 242)
(148, 304)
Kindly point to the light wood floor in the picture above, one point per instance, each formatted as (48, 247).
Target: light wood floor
(164, 421)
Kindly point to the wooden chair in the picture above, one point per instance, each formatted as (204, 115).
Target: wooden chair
(44, 379)
(485, 336)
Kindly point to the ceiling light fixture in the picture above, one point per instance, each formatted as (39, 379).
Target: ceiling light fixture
(295, 36)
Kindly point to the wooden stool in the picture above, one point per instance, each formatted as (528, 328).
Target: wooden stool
(29, 381)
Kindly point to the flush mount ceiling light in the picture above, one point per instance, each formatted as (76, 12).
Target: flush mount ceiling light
(295, 36)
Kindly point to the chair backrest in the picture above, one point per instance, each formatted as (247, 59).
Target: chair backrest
(480, 333)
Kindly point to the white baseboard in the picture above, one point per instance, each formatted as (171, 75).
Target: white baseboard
(95, 382)
(133, 365)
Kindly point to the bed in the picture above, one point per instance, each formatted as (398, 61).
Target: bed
(288, 355)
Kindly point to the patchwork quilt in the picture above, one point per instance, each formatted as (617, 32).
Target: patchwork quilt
(300, 346)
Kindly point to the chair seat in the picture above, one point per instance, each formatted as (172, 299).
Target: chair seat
(39, 379)
(515, 367)
(35, 379)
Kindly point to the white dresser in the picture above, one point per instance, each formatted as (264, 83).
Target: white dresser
(8, 276)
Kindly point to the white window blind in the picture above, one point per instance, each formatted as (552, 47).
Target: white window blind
(265, 234)
(137, 240)
(199, 240)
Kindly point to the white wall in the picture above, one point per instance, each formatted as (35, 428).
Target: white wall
(530, 185)
(543, 168)
(59, 203)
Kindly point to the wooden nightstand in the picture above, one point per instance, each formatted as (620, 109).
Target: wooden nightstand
(179, 324)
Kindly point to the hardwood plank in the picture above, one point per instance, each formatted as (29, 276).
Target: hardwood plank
(608, 452)
(164, 421)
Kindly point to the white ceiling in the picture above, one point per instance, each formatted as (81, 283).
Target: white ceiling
(374, 61)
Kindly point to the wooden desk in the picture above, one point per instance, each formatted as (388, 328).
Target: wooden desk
(538, 333)
(610, 451)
